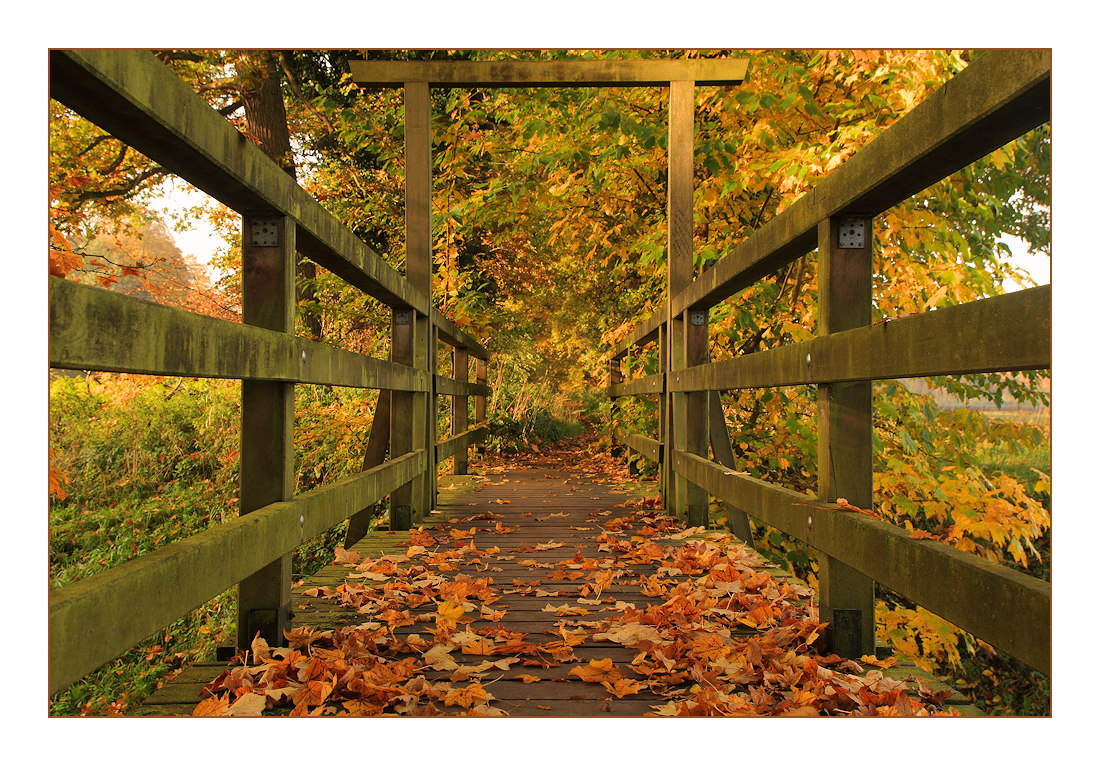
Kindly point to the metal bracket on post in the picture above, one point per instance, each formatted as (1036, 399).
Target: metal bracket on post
(265, 231)
(698, 317)
(852, 233)
(402, 316)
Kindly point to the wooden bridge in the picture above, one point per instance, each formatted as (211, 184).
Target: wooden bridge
(1000, 96)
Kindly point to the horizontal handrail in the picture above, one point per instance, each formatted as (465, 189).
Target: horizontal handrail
(137, 598)
(988, 600)
(452, 387)
(651, 384)
(650, 448)
(96, 329)
(645, 333)
(454, 336)
(449, 447)
(1003, 333)
(997, 98)
(1000, 96)
(143, 103)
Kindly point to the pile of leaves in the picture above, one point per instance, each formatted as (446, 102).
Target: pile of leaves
(716, 635)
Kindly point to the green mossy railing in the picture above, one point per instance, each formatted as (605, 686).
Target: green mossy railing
(141, 102)
(1000, 96)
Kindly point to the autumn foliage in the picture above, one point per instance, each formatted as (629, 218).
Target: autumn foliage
(550, 248)
(711, 634)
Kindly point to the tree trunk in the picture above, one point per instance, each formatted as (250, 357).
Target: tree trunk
(265, 113)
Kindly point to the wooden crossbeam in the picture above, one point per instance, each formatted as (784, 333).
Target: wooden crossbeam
(96, 329)
(1001, 333)
(555, 74)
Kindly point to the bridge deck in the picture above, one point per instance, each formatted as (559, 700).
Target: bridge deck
(550, 588)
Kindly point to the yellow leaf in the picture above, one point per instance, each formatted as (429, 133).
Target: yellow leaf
(249, 704)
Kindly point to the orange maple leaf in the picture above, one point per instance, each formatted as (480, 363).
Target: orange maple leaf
(466, 697)
(216, 706)
(602, 670)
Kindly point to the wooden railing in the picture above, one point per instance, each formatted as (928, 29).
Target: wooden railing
(1000, 96)
(132, 96)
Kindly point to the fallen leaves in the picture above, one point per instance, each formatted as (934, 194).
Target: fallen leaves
(706, 631)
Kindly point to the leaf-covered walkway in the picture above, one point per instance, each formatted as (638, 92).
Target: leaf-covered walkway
(551, 586)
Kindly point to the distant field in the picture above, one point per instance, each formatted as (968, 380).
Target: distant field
(948, 401)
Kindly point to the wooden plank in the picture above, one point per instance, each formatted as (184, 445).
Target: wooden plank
(1001, 333)
(451, 387)
(513, 73)
(142, 596)
(639, 443)
(459, 442)
(1001, 95)
(143, 103)
(456, 337)
(268, 300)
(96, 329)
(844, 454)
(652, 384)
(997, 604)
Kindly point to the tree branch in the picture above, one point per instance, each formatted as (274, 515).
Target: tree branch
(123, 191)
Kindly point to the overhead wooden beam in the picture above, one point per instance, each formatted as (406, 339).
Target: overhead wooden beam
(556, 74)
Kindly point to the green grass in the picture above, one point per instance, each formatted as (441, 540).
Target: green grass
(144, 462)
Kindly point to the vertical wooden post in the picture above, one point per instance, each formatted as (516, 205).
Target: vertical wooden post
(410, 419)
(267, 418)
(375, 454)
(686, 426)
(844, 455)
(460, 408)
(431, 436)
(481, 376)
(402, 333)
(696, 420)
(722, 447)
(664, 416)
(615, 376)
